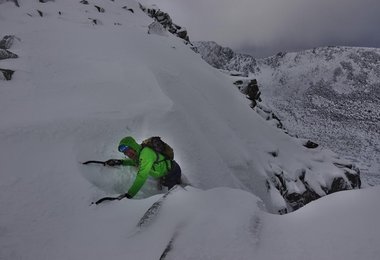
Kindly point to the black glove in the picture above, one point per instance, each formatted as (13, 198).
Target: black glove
(125, 195)
(114, 162)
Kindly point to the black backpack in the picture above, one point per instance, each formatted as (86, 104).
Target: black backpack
(159, 146)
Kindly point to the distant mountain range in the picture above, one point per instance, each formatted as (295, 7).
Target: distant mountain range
(330, 95)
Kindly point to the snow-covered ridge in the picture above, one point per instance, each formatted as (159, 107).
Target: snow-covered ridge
(225, 58)
(329, 95)
(285, 181)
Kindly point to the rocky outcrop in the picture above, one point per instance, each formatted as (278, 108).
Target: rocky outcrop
(5, 54)
(5, 44)
(250, 88)
(165, 20)
(304, 189)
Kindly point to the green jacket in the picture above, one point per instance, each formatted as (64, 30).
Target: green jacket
(147, 164)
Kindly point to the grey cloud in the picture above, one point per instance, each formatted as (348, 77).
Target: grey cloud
(265, 27)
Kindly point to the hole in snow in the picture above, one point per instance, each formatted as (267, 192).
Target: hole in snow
(117, 180)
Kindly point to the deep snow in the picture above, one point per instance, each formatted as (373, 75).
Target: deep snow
(79, 87)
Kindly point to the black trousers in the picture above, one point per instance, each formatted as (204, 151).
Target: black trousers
(173, 177)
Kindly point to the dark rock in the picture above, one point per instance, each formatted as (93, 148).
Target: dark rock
(131, 10)
(237, 74)
(7, 73)
(40, 13)
(311, 145)
(100, 9)
(354, 178)
(84, 2)
(274, 153)
(238, 82)
(352, 173)
(253, 90)
(5, 54)
(253, 93)
(95, 21)
(182, 34)
(339, 184)
(45, 1)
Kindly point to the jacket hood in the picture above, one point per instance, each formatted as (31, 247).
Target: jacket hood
(131, 142)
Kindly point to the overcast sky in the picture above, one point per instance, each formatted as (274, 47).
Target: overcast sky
(265, 27)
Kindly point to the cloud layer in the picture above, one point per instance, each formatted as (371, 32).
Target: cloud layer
(265, 27)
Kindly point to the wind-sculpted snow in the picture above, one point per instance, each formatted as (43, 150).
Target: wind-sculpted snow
(191, 223)
(154, 209)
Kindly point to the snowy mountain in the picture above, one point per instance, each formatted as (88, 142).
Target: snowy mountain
(225, 58)
(330, 95)
(88, 73)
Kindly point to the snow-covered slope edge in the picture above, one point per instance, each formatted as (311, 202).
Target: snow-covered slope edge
(330, 95)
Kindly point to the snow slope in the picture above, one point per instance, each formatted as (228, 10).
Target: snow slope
(79, 87)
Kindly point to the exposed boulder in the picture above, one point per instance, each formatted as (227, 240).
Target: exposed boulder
(352, 173)
(100, 9)
(311, 145)
(84, 2)
(253, 92)
(6, 74)
(45, 1)
(129, 9)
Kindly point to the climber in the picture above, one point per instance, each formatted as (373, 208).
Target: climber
(152, 158)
